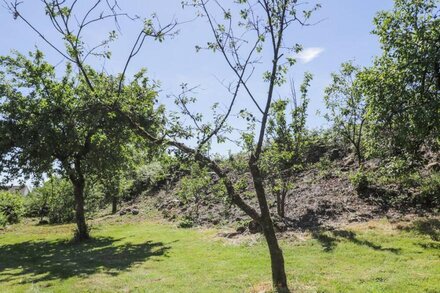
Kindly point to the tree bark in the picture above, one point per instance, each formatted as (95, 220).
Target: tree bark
(283, 203)
(78, 181)
(359, 155)
(279, 204)
(279, 279)
(114, 204)
(83, 231)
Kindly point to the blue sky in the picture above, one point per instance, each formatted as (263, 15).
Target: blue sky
(342, 34)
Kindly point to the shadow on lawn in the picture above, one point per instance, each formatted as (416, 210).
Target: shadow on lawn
(48, 260)
(428, 227)
(330, 239)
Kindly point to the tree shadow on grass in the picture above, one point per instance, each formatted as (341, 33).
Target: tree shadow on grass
(48, 260)
(329, 240)
(428, 227)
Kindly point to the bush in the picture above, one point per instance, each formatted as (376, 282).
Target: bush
(324, 167)
(150, 175)
(430, 191)
(153, 176)
(3, 220)
(11, 207)
(53, 200)
(360, 181)
(36, 204)
(186, 222)
(94, 198)
(195, 186)
(397, 167)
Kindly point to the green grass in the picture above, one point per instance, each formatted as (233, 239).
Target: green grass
(158, 257)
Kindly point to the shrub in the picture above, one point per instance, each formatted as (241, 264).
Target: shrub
(324, 167)
(186, 222)
(3, 220)
(430, 190)
(152, 176)
(34, 206)
(397, 167)
(11, 206)
(360, 181)
(53, 200)
(193, 187)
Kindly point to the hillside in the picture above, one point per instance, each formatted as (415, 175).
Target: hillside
(325, 195)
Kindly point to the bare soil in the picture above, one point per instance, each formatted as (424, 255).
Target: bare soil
(320, 199)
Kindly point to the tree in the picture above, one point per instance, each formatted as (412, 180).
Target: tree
(346, 107)
(283, 155)
(85, 135)
(113, 188)
(57, 123)
(403, 86)
(259, 20)
(241, 44)
(117, 182)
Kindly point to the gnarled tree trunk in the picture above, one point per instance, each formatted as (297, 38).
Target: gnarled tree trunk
(83, 231)
(78, 181)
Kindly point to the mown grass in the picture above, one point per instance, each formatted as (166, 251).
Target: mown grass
(158, 257)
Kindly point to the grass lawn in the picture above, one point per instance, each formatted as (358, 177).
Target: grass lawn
(157, 257)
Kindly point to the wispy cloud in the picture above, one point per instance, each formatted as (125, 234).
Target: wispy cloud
(308, 54)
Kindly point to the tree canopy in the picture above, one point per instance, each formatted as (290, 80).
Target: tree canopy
(403, 86)
(60, 124)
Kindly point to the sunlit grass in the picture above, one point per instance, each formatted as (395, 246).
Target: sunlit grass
(158, 257)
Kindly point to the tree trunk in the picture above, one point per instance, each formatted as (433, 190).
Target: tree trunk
(359, 155)
(276, 257)
(114, 204)
(279, 279)
(283, 203)
(279, 203)
(83, 232)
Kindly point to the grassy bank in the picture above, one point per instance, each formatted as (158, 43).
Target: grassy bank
(157, 257)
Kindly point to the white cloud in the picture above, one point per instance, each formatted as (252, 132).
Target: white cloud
(308, 54)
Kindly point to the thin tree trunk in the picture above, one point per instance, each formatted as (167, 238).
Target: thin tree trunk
(276, 254)
(283, 203)
(359, 155)
(279, 204)
(114, 204)
(276, 258)
(83, 232)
